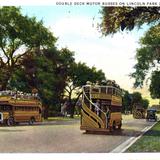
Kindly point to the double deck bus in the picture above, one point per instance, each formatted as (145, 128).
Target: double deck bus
(101, 107)
(23, 107)
(138, 111)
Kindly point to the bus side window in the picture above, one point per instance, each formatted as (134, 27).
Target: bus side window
(103, 90)
(109, 90)
(114, 92)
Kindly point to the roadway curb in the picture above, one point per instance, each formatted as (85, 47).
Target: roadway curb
(125, 145)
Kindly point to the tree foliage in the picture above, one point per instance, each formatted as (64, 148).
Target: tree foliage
(136, 98)
(79, 74)
(126, 101)
(155, 85)
(45, 72)
(131, 101)
(18, 36)
(116, 19)
(145, 103)
(148, 57)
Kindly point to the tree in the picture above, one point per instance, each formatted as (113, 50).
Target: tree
(19, 35)
(45, 72)
(126, 101)
(116, 19)
(145, 103)
(136, 98)
(79, 74)
(155, 85)
(148, 57)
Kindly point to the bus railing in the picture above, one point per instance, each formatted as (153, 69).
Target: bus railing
(93, 103)
(102, 112)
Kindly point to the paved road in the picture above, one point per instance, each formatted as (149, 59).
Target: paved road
(64, 137)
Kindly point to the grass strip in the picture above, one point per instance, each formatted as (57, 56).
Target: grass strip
(149, 142)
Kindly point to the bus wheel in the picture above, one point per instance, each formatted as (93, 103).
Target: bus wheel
(10, 121)
(31, 121)
(110, 128)
(114, 125)
(119, 126)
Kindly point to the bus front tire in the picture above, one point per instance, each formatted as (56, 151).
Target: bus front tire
(10, 121)
(31, 121)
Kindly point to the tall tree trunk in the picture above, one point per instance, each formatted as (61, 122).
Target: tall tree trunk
(3, 86)
(4, 82)
(77, 98)
(6, 73)
(72, 107)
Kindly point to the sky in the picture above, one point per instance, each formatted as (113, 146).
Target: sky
(76, 28)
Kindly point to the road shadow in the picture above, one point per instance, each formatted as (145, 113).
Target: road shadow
(122, 132)
(48, 123)
(154, 133)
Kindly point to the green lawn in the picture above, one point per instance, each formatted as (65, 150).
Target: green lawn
(149, 142)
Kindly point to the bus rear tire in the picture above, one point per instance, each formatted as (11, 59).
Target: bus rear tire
(114, 125)
(119, 126)
(31, 121)
(10, 121)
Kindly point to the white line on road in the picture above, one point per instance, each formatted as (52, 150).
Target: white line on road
(124, 146)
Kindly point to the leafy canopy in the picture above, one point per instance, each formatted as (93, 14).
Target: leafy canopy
(19, 35)
(148, 55)
(46, 72)
(155, 85)
(116, 19)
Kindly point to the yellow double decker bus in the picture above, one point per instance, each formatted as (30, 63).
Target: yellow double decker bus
(15, 108)
(101, 107)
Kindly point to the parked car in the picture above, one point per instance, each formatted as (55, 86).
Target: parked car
(151, 115)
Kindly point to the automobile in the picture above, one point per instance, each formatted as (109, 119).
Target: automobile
(151, 115)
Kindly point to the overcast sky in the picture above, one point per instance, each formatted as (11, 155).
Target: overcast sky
(76, 28)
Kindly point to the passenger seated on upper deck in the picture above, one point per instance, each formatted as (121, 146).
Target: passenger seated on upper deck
(104, 82)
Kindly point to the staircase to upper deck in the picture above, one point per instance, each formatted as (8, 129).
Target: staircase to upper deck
(90, 119)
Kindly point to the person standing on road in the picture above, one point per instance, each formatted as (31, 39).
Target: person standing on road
(64, 108)
(78, 106)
